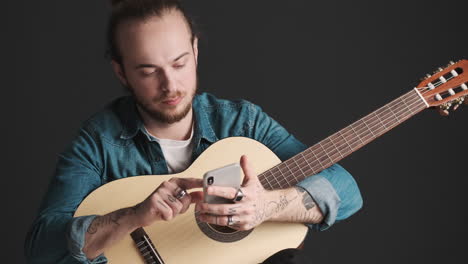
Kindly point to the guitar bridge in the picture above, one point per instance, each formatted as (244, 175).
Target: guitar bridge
(146, 247)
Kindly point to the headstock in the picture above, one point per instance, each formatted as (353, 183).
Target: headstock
(446, 88)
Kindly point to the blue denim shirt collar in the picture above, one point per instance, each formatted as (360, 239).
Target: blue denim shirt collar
(132, 122)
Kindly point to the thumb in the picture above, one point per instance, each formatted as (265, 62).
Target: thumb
(249, 173)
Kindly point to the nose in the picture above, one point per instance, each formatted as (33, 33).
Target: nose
(169, 84)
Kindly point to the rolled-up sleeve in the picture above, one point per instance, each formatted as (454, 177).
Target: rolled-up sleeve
(56, 236)
(334, 190)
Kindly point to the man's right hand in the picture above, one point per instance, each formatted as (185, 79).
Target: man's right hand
(162, 204)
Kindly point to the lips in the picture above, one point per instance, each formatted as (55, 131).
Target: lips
(173, 101)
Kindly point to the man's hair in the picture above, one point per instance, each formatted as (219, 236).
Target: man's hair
(125, 10)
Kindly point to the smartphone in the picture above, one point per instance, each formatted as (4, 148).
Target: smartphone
(227, 176)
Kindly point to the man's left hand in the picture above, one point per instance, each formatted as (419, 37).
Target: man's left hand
(246, 214)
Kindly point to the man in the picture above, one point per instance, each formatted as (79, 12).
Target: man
(161, 128)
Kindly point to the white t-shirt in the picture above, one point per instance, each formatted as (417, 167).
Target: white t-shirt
(178, 153)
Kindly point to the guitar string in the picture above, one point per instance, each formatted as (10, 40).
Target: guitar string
(321, 152)
(314, 165)
(410, 105)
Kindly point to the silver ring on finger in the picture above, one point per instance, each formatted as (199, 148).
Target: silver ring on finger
(181, 194)
(230, 222)
(239, 196)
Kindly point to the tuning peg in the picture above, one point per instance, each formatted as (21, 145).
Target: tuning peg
(427, 76)
(443, 112)
(438, 70)
(444, 109)
(458, 102)
(451, 63)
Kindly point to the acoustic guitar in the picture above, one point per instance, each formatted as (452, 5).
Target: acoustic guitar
(184, 240)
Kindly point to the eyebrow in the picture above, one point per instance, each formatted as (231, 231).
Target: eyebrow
(145, 65)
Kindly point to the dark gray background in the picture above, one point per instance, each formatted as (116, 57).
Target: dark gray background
(315, 66)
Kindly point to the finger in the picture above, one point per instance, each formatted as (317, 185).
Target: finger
(221, 220)
(187, 183)
(174, 203)
(225, 192)
(249, 173)
(221, 209)
(196, 197)
(186, 201)
(213, 219)
(162, 208)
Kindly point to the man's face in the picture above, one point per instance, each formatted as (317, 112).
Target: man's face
(159, 65)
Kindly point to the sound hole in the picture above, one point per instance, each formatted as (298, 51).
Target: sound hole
(222, 233)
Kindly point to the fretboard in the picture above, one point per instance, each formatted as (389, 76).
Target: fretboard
(344, 142)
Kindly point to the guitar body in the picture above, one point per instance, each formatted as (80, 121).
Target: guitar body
(181, 240)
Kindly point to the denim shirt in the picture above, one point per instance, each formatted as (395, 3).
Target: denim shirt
(113, 144)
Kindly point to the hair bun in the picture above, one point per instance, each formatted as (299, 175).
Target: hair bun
(115, 2)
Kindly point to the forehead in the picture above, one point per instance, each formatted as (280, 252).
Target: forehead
(154, 40)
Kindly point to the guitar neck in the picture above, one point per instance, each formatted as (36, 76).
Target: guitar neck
(344, 142)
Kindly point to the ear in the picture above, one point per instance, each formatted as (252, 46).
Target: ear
(119, 72)
(195, 49)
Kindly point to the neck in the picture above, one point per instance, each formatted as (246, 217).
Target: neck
(344, 142)
(180, 130)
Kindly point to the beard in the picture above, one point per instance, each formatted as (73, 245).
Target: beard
(170, 115)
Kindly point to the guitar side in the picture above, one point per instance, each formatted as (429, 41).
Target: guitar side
(180, 240)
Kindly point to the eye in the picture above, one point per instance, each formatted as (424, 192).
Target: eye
(179, 66)
(148, 71)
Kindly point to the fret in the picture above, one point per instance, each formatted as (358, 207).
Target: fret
(284, 167)
(409, 110)
(282, 176)
(393, 113)
(355, 134)
(414, 101)
(274, 176)
(296, 164)
(354, 141)
(293, 174)
(380, 120)
(346, 141)
(362, 130)
(329, 146)
(300, 170)
(264, 180)
(334, 145)
(314, 156)
(373, 125)
(340, 145)
(313, 170)
(367, 127)
(326, 154)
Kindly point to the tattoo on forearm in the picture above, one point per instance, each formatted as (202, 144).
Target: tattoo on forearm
(307, 201)
(112, 218)
(272, 207)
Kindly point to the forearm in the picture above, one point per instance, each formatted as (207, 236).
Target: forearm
(293, 205)
(106, 230)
